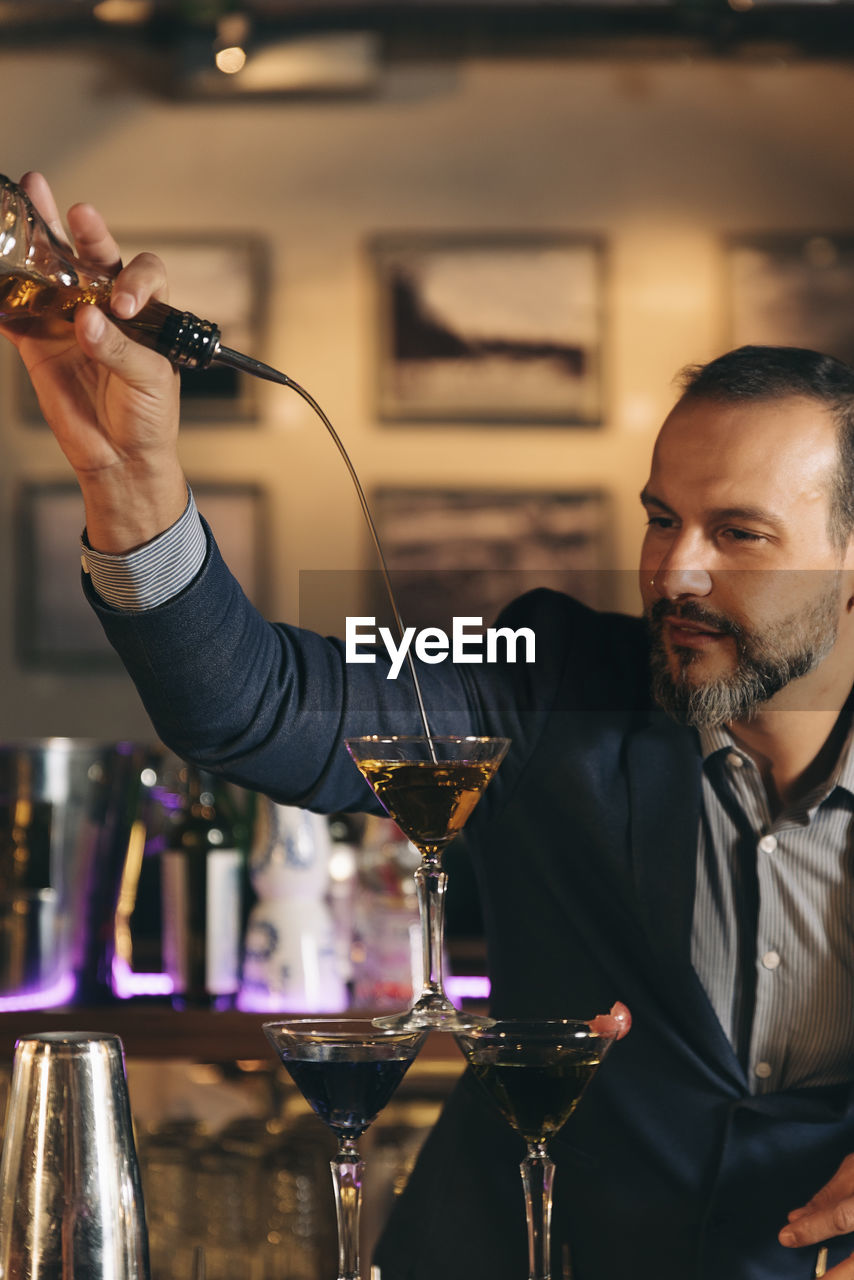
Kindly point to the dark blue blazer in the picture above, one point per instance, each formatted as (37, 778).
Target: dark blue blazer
(585, 850)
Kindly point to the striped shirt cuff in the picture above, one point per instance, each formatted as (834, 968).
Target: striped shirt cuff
(153, 573)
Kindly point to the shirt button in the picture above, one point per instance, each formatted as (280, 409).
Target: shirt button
(763, 1070)
(735, 761)
(767, 844)
(771, 959)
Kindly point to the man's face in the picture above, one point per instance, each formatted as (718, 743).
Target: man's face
(742, 587)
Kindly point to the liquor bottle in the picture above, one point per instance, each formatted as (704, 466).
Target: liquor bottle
(386, 937)
(42, 283)
(291, 959)
(202, 879)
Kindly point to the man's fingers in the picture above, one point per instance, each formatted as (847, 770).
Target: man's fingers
(820, 1224)
(93, 242)
(134, 364)
(37, 188)
(830, 1212)
(141, 279)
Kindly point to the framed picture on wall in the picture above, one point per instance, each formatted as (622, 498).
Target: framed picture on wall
(792, 290)
(469, 552)
(55, 627)
(219, 278)
(238, 518)
(489, 328)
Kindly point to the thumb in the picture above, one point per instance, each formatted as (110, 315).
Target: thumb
(103, 341)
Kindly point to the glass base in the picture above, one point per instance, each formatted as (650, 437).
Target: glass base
(432, 1013)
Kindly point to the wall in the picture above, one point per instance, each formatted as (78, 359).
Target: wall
(659, 156)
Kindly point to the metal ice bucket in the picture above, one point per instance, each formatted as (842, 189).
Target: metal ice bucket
(67, 808)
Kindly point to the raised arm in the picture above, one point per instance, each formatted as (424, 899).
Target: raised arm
(266, 704)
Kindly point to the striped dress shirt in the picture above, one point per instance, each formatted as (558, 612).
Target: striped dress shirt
(153, 573)
(773, 926)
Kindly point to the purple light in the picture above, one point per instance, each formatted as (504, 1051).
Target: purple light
(252, 999)
(463, 987)
(258, 1000)
(61, 993)
(127, 984)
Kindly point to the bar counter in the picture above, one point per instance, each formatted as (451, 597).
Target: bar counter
(159, 1031)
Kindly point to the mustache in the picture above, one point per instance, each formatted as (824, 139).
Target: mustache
(662, 610)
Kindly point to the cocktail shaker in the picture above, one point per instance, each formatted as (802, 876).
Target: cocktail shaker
(71, 1203)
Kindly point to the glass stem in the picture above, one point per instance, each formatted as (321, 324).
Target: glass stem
(347, 1173)
(537, 1178)
(430, 882)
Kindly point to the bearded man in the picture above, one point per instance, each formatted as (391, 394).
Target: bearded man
(672, 826)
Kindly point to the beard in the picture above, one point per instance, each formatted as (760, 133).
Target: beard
(765, 660)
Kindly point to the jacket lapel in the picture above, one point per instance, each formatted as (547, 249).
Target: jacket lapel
(665, 794)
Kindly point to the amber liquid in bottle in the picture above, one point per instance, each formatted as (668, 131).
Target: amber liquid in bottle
(180, 336)
(30, 297)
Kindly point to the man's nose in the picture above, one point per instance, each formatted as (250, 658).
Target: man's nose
(679, 574)
(675, 584)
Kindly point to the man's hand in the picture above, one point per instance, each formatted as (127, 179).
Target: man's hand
(111, 403)
(829, 1213)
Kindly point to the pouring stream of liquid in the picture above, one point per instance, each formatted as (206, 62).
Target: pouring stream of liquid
(236, 359)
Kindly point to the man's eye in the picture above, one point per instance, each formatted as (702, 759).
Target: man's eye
(743, 535)
(660, 522)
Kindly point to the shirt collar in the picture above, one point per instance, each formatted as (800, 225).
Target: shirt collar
(842, 774)
(720, 739)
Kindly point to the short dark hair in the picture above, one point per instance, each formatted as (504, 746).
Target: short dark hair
(773, 373)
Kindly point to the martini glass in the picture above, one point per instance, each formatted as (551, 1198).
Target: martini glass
(429, 786)
(347, 1070)
(535, 1073)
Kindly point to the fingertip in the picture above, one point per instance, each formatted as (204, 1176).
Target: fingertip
(123, 304)
(32, 178)
(92, 323)
(82, 207)
(37, 188)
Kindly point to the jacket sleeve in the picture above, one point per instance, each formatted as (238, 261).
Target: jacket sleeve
(266, 704)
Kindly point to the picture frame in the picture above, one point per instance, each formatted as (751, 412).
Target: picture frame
(489, 328)
(238, 516)
(791, 290)
(218, 277)
(56, 630)
(469, 552)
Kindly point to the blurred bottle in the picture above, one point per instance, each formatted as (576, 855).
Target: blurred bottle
(291, 956)
(386, 951)
(202, 881)
(345, 830)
